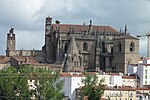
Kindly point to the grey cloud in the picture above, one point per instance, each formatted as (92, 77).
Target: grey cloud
(28, 18)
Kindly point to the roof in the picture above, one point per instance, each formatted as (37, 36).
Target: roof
(4, 60)
(126, 36)
(72, 74)
(133, 65)
(143, 88)
(75, 74)
(115, 74)
(23, 58)
(123, 88)
(83, 28)
(129, 77)
(145, 64)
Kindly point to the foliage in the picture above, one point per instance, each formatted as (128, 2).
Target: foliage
(14, 84)
(93, 87)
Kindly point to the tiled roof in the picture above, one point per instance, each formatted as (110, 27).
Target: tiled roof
(5, 60)
(129, 77)
(83, 28)
(72, 75)
(123, 88)
(23, 58)
(143, 88)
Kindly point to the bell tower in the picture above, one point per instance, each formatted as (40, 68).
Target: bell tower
(11, 42)
(49, 41)
(48, 23)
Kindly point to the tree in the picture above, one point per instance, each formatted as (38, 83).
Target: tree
(93, 87)
(14, 84)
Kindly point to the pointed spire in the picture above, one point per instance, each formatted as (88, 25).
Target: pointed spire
(125, 30)
(72, 52)
(72, 49)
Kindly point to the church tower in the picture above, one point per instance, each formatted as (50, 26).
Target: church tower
(48, 23)
(50, 45)
(126, 51)
(11, 42)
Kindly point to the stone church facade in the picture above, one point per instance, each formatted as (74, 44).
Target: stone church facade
(82, 47)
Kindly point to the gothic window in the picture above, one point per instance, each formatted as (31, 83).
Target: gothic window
(85, 46)
(85, 62)
(66, 47)
(132, 46)
(119, 46)
(111, 49)
(75, 64)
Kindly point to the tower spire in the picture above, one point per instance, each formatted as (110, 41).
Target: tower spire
(125, 30)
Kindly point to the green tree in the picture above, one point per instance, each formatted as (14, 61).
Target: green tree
(93, 87)
(14, 84)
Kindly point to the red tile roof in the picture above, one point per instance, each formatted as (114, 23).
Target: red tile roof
(143, 88)
(129, 77)
(23, 58)
(83, 28)
(4, 60)
(123, 88)
(72, 75)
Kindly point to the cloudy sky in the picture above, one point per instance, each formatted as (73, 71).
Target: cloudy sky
(28, 16)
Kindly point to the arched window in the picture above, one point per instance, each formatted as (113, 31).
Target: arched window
(120, 47)
(66, 48)
(132, 47)
(85, 46)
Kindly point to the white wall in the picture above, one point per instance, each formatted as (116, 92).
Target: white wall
(70, 84)
(76, 83)
(147, 61)
(116, 80)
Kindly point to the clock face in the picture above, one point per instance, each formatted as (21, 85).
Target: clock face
(48, 27)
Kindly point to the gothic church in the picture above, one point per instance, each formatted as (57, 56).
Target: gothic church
(82, 47)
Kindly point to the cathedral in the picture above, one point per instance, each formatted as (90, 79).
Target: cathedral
(82, 47)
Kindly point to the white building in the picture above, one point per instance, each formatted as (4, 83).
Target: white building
(142, 69)
(72, 81)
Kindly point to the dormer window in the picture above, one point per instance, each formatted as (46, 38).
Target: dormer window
(85, 46)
